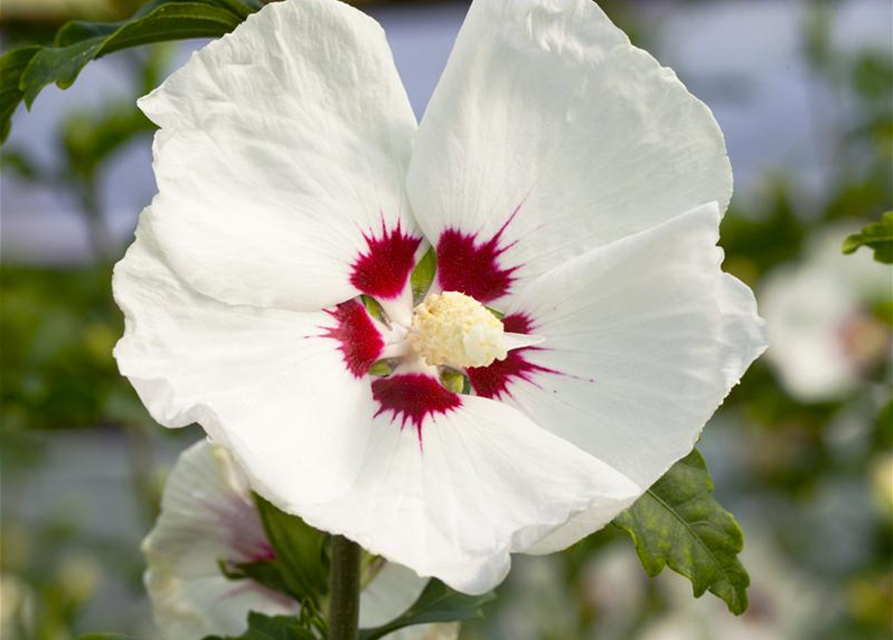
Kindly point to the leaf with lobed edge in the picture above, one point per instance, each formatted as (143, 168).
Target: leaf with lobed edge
(678, 523)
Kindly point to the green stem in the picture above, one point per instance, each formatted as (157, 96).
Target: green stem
(344, 590)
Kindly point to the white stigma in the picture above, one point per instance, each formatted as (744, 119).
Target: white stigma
(457, 330)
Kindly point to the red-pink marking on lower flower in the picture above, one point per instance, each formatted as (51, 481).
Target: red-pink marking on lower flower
(240, 522)
(412, 397)
(472, 268)
(361, 343)
(493, 381)
(382, 270)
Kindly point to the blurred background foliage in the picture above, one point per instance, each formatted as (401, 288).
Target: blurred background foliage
(802, 451)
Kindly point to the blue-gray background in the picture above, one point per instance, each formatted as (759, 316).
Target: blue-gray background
(803, 93)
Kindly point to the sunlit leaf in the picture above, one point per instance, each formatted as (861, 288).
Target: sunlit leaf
(877, 236)
(678, 523)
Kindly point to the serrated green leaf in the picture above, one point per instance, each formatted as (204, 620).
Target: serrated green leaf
(877, 236)
(24, 72)
(423, 275)
(300, 551)
(678, 523)
(12, 66)
(263, 627)
(437, 603)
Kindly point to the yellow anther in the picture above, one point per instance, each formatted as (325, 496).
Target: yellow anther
(457, 330)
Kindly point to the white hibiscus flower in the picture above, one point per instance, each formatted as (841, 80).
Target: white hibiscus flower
(562, 177)
(208, 516)
(824, 334)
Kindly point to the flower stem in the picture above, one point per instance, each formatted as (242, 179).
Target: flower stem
(344, 590)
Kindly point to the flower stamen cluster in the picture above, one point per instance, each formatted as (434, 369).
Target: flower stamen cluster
(456, 330)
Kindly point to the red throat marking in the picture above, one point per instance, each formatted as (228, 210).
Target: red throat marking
(412, 397)
(383, 269)
(471, 268)
(361, 343)
(493, 381)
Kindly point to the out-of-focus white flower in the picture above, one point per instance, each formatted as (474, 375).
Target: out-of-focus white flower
(562, 177)
(208, 516)
(784, 604)
(823, 334)
(79, 575)
(17, 600)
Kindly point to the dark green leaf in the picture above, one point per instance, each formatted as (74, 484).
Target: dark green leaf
(171, 21)
(12, 65)
(300, 551)
(678, 523)
(261, 627)
(423, 275)
(264, 572)
(437, 603)
(61, 66)
(877, 236)
(24, 72)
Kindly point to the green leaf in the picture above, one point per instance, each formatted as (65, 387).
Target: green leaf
(877, 236)
(300, 551)
(264, 572)
(106, 636)
(423, 275)
(262, 627)
(677, 523)
(24, 72)
(437, 603)
(12, 65)
(170, 21)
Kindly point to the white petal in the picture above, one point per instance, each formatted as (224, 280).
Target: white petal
(281, 145)
(644, 338)
(207, 515)
(550, 134)
(454, 496)
(266, 383)
(389, 595)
